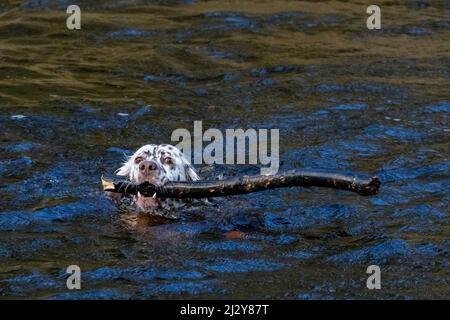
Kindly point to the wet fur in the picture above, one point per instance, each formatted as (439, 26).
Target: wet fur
(180, 169)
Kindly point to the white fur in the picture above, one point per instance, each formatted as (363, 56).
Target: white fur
(179, 170)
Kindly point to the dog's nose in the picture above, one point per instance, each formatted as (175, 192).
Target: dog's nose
(148, 165)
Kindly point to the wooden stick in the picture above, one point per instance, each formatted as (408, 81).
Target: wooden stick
(245, 184)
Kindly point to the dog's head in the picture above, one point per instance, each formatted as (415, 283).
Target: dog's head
(158, 164)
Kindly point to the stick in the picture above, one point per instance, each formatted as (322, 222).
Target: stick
(245, 184)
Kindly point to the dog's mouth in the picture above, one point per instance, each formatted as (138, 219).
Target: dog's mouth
(150, 202)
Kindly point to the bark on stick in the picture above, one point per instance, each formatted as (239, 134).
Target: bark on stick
(246, 184)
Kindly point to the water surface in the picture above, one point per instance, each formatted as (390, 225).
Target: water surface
(72, 103)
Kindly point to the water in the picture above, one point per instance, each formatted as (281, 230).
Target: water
(345, 98)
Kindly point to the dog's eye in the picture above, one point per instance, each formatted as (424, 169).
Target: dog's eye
(138, 160)
(168, 160)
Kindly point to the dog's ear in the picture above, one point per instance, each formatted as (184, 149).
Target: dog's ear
(125, 169)
(189, 170)
(191, 173)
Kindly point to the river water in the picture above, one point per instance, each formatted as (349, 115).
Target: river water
(346, 98)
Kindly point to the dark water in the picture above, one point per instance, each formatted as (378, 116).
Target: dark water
(343, 97)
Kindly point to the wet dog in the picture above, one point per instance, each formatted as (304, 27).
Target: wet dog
(159, 165)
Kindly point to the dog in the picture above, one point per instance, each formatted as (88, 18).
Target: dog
(159, 165)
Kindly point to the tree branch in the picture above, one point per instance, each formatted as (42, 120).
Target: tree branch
(245, 184)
